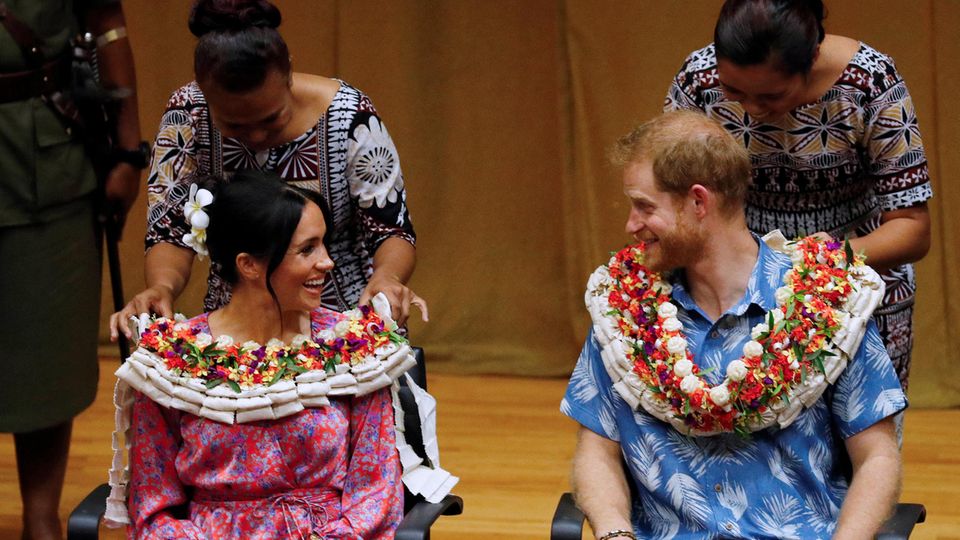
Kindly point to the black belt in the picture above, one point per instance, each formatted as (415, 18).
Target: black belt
(20, 85)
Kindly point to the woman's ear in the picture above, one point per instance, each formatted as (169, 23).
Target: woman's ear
(249, 268)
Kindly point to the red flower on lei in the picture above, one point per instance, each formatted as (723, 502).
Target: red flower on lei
(786, 349)
(187, 351)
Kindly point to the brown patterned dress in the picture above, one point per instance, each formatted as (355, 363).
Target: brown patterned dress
(347, 156)
(833, 165)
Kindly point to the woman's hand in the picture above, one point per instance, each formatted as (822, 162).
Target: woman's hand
(400, 296)
(157, 299)
(822, 236)
(902, 237)
(167, 269)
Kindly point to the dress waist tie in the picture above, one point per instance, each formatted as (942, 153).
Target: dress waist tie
(320, 505)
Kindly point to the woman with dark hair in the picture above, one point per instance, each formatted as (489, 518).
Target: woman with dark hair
(236, 431)
(833, 139)
(247, 109)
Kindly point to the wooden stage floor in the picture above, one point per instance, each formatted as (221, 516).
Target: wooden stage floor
(511, 447)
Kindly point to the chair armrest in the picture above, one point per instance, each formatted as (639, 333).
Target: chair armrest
(567, 520)
(900, 525)
(84, 521)
(416, 524)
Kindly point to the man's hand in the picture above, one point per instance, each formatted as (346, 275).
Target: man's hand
(400, 296)
(121, 190)
(157, 299)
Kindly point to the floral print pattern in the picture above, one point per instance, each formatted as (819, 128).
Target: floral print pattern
(332, 472)
(780, 483)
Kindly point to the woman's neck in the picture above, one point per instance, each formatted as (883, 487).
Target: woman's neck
(834, 54)
(254, 315)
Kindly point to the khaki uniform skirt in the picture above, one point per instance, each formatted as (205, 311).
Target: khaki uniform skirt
(49, 318)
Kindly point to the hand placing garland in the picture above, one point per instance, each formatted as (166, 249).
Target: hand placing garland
(802, 346)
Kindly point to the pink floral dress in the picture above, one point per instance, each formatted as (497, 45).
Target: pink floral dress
(330, 472)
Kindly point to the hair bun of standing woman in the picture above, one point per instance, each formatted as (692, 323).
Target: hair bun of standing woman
(239, 43)
(788, 32)
(232, 15)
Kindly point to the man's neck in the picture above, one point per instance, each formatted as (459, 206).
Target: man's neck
(719, 278)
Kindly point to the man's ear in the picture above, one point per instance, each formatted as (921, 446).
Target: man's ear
(702, 199)
(248, 267)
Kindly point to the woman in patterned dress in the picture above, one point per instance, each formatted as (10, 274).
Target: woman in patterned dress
(327, 472)
(248, 110)
(833, 139)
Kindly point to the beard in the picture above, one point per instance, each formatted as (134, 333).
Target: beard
(678, 248)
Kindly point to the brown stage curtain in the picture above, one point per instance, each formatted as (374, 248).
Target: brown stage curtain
(502, 110)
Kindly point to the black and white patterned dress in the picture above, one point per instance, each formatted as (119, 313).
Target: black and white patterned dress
(347, 156)
(833, 165)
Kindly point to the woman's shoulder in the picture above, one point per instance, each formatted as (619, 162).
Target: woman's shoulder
(200, 322)
(186, 107)
(698, 71)
(352, 99)
(875, 70)
(323, 319)
(702, 59)
(188, 96)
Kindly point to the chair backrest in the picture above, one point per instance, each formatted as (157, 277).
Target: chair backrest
(411, 416)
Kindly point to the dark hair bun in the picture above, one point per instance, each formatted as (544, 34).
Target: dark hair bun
(232, 15)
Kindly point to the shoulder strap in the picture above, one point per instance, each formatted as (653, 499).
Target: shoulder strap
(26, 39)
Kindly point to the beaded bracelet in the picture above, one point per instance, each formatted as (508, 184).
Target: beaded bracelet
(618, 532)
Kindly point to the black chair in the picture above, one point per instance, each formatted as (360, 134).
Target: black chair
(568, 521)
(419, 515)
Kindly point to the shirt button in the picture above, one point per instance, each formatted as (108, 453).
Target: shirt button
(728, 526)
(718, 488)
(715, 334)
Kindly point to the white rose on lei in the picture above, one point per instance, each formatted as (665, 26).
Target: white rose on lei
(676, 345)
(672, 324)
(203, 339)
(665, 288)
(341, 328)
(777, 315)
(683, 368)
(796, 255)
(326, 335)
(752, 349)
(758, 330)
(667, 310)
(224, 341)
(783, 294)
(720, 395)
(689, 384)
(736, 370)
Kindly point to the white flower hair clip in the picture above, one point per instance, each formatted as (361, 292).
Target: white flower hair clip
(198, 219)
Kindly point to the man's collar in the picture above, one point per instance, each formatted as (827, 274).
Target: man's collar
(758, 292)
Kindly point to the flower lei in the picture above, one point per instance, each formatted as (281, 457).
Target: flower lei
(186, 351)
(801, 347)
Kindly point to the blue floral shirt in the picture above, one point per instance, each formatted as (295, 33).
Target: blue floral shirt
(781, 483)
